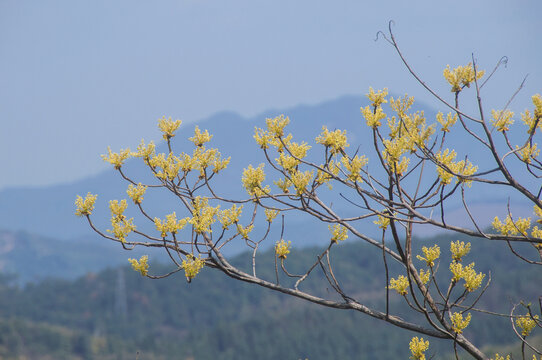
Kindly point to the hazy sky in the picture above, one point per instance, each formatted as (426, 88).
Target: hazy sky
(77, 76)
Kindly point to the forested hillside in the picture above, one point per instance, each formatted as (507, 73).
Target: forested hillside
(116, 313)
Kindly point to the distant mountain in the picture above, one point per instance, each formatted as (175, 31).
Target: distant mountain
(33, 258)
(49, 211)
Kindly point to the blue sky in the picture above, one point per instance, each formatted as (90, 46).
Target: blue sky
(78, 76)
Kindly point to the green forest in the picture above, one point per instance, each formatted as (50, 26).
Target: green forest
(117, 314)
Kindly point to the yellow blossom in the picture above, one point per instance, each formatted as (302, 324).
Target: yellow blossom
(170, 166)
(199, 137)
(121, 227)
(283, 184)
(300, 180)
(448, 123)
(271, 214)
(418, 346)
(354, 166)
(401, 104)
(338, 233)
(276, 125)
(456, 269)
(142, 265)
(244, 231)
(252, 180)
(472, 280)
(431, 254)
(377, 98)
(499, 357)
(282, 248)
(526, 323)
(136, 192)
(85, 207)
(230, 216)
(373, 116)
(459, 249)
(425, 276)
(170, 224)
(116, 208)
(144, 151)
(511, 227)
(203, 215)
(502, 119)
(287, 162)
(335, 140)
(262, 137)
(168, 127)
(116, 159)
(537, 102)
(192, 266)
(447, 168)
(461, 76)
(528, 152)
(383, 222)
(400, 284)
(458, 322)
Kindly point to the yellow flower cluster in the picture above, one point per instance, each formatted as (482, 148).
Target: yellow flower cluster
(276, 125)
(425, 275)
(282, 248)
(170, 166)
(377, 98)
(170, 224)
(461, 76)
(418, 346)
(252, 181)
(136, 192)
(116, 159)
(230, 216)
(459, 249)
(283, 184)
(336, 140)
(472, 280)
(203, 215)
(199, 137)
(168, 127)
(499, 357)
(354, 166)
(448, 123)
(192, 266)
(447, 168)
(373, 116)
(393, 149)
(528, 152)
(511, 227)
(244, 230)
(526, 323)
(531, 119)
(502, 119)
(270, 214)
(401, 105)
(85, 206)
(431, 254)
(300, 180)
(142, 265)
(324, 177)
(145, 151)
(121, 225)
(383, 222)
(458, 322)
(400, 284)
(338, 233)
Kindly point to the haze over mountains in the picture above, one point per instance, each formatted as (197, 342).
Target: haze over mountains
(49, 211)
